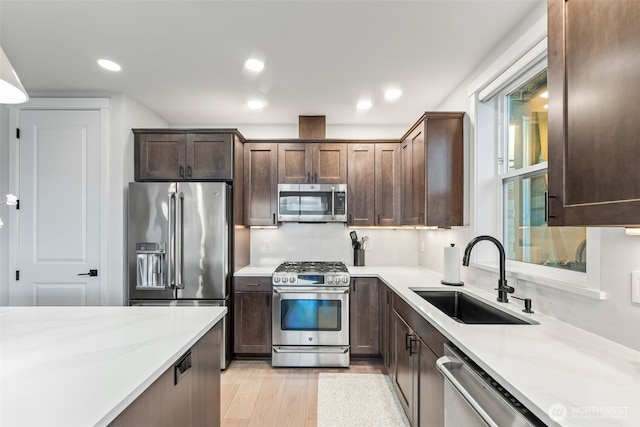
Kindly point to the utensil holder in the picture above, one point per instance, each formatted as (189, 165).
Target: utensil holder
(358, 257)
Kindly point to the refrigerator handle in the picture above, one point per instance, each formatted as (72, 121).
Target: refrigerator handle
(172, 243)
(179, 237)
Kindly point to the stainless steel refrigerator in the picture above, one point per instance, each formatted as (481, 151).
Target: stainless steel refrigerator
(179, 246)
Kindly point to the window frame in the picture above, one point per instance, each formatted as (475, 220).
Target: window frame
(496, 133)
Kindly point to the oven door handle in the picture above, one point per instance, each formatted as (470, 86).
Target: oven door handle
(309, 291)
(309, 349)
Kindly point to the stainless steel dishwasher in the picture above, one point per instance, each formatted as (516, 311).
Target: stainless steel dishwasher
(472, 398)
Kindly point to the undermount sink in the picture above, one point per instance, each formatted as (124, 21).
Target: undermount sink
(464, 308)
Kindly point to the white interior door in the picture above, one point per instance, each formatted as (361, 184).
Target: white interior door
(59, 215)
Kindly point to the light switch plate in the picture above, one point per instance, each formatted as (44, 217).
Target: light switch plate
(635, 286)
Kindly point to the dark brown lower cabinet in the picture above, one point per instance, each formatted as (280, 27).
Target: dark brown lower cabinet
(252, 316)
(364, 323)
(415, 347)
(193, 400)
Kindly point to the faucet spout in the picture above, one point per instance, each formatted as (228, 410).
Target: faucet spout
(503, 289)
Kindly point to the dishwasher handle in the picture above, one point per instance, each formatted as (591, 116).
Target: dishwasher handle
(447, 366)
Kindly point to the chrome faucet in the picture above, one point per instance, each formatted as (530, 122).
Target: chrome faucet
(503, 289)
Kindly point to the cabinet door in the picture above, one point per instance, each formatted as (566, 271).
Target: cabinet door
(445, 169)
(413, 178)
(260, 184)
(209, 156)
(594, 87)
(252, 323)
(361, 184)
(403, 364)
(294, 163)
(388, 184)
(430, 390)
(364, 322)
(329, 163)
(160, 156)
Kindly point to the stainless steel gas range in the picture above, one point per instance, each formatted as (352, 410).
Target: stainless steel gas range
(310, 314)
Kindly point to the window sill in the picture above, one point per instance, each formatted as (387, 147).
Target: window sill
(571, 281)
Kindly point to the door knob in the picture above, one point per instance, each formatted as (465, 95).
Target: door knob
(91, 273)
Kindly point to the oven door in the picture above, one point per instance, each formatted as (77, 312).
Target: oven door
(313, 316)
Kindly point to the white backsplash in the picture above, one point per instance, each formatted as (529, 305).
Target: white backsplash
(331, 242)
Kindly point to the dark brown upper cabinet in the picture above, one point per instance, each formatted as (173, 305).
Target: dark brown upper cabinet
(432, 158)
(183, 155)
(306, 162)
(594, 87)
(260, 183)
(373, 184)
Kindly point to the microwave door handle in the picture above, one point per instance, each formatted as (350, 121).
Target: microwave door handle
(333, 202)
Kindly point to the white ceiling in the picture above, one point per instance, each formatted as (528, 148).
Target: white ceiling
(184, 59)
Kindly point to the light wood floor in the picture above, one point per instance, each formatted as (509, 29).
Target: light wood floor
(255, 394)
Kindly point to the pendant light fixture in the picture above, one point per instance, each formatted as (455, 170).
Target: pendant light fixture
(11, 90)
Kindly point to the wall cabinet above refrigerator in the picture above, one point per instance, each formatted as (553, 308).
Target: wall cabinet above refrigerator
(184, 154)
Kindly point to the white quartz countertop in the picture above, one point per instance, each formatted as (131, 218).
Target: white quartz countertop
(82, 366)
(565, 375)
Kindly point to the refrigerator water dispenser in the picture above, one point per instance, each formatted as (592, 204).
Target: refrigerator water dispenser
(150, 260)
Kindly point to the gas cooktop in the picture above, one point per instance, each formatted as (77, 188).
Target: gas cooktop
(311, 273)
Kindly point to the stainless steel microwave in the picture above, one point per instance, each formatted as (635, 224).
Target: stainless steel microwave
(312, 202)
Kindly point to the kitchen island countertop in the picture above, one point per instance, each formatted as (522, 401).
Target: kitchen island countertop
(82, 366)
(565, 375)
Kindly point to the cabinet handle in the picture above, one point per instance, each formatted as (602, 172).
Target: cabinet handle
(407, 341)
(388, 297)
(421, 218)
(274, 219)
(181, 172)
(188, 171)
(268, 300)
(315, 180)
(413, 341)
(354, 285)
(181, 368)
(308, 176)
(350, 218)
(379, 219)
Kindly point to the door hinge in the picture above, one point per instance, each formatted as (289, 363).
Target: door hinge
(18, 133)
(17, 274)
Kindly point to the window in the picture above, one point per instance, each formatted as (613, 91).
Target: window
(522, 109)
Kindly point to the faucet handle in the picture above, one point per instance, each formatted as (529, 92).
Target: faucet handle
(506, 288)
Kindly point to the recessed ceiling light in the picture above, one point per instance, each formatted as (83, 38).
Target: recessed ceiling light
(364, 105)
(544, 94)
(392, 94)
(256, 104)
(254, 65)
(109, 65)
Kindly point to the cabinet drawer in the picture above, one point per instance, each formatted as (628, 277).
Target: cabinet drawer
(252, 284)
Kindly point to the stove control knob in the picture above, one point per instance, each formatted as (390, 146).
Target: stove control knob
(329, 280)
(285, 279)
(276, 279)
(292, 280)
(345, 279)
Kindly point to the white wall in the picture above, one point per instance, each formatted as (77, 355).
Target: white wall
(126, 113)
(616, 317)
(331, 242)
(4, 210)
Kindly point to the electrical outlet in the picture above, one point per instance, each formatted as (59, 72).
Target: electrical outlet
(265, 246)
(635, 286)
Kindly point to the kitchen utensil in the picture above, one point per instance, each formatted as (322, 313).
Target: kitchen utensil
(354, 240)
